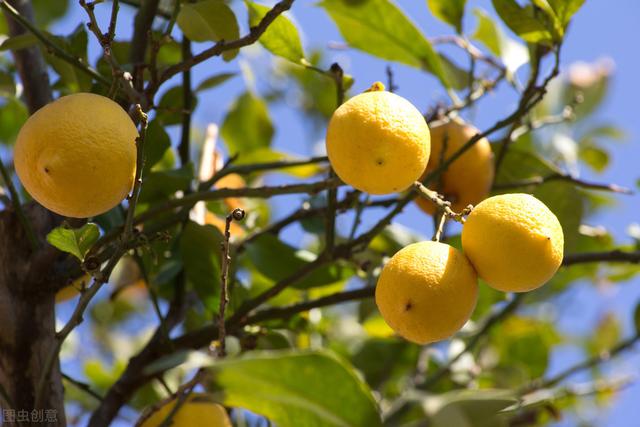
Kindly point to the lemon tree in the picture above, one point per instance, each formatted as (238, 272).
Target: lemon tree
(330, 214)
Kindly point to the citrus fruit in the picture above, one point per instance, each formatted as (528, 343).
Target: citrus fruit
(427, 291)
(514, 242)
(77, 155)
(197, 410)
(378, 142)
(468, 179)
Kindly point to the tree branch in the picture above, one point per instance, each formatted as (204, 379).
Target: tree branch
(141, 28)
(539, 180)
(615, 255)
(291, 310)
(223, 46)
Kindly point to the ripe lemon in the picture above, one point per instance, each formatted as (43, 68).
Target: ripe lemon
(514, 242)
(378, 142)
(468, 179)
(77, 155)
(197, 410)
(427, 291)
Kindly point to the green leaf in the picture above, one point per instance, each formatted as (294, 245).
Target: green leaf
(214, 81)
(606, 334)
(200, 253)
(379, 28)
(469, 408)
(281, 38)
(71, 78)
(289, 260)
(457, 77)
(156, 143)
(7, 85)
(636, 318)
(512, 53)
(13, 114)
(568, 204)
(296, 389)
(449, 11)
(521, 22)
(18, 42)
(247, 126)
(159, 185)
(171, 106)
(76, 241)
(565, 9)
(209, 20)
(594, 156)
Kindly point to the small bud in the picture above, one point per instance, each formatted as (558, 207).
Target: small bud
(238, 214)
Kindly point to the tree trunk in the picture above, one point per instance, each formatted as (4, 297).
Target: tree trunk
(27, 316)
(29, 280)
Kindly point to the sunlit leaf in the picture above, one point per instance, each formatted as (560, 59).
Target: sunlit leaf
(512, 53)
(296, 389)
(76, 241)
(209, 20)
(289, 260)
(521, 22)
(247, 126)
(214, 81)
(281, 38)
(605, 335)
(378, 27)
(449, 11)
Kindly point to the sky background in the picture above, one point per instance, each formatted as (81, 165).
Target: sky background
(601, 29)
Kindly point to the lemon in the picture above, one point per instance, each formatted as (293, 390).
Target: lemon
(514, 242)
(468, 179)
(427, 291)
(77, 155)
(378, 142)
(197, 410)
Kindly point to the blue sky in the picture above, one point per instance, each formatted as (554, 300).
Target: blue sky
(601, 29)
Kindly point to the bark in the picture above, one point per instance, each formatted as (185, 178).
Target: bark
(28, 279)
(27, 315)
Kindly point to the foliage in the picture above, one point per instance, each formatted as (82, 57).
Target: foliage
(293, 354)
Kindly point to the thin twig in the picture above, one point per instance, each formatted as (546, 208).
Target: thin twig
(442, 204)
(585, 364)
(82, 386)
(52, 47)
(224, 46)
(184, 149)
(236, 215)
(332, 193)
(539, 180)
(290, 310)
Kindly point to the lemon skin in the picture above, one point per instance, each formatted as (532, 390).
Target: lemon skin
(378, 142)
(199, 409)
(77, 155)
(514, 242)
(468, 179)
(427, 291)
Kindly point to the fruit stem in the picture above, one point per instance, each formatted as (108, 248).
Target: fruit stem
(376, 87)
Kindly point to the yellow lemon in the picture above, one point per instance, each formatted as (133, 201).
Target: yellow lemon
(198, 410)
(427, 291)
(468, 180)
(378, 142)
(77, 155)
(514, 242)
